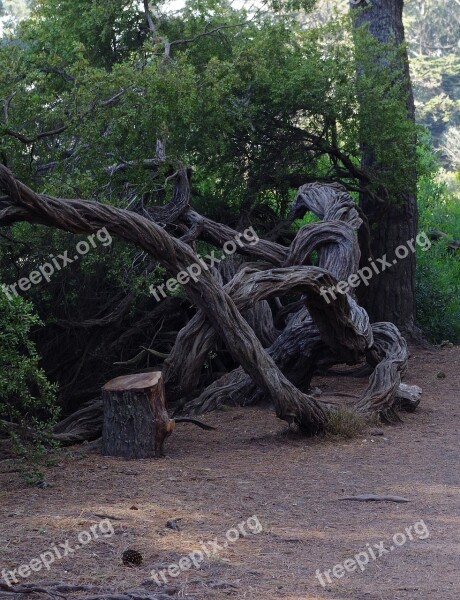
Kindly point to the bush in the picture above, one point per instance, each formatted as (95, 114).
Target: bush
(27, 399)
(438, 269)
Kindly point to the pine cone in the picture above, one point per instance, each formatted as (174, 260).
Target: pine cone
(131, 557)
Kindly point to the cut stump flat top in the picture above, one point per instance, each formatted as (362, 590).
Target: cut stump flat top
(140, 381)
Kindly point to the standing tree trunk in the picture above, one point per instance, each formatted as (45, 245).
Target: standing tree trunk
(391, 294)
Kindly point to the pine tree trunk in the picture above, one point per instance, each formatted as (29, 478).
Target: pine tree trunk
(390, 295)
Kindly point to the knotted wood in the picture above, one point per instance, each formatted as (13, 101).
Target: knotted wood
(238, 309)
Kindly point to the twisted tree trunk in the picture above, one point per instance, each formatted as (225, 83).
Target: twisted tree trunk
(316, 332)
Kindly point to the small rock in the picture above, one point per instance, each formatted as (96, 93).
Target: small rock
(43, 484)
(441, 375)
(221, 584)
(173, 524)
(446, 344)
(377, 432)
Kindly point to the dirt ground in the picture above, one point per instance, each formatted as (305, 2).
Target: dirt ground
(253, 467)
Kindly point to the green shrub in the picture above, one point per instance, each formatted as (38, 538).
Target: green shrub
(438, 269)
(27, 399)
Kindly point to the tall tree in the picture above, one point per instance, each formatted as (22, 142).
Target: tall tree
(392, 210)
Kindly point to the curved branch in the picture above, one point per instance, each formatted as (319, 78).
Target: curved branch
(78, 216)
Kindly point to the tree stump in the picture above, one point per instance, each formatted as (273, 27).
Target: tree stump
(136, 422)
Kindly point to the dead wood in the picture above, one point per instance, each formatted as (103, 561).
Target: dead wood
(237, 305)
(391, 351)
(78, 216)
(83, 425)
(136, 423)
(67, 591)
(376, 498)
(408, 397)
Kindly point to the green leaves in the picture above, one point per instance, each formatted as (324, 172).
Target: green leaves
(438, 270)
(27, 400)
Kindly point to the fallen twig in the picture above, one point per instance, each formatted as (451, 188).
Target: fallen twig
(98, 593)
(376, 498)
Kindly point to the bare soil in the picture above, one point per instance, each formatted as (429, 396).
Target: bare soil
(253, 465)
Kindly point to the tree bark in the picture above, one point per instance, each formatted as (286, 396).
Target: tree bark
(20, 203)
(136, 422)
(391, 294)
(321, 333)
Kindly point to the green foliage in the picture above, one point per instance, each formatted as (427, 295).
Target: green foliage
(438, 269)
(100, 32)
(251, 107)
(387, 132)
(433, 35)
(27, 399)
(255, 108)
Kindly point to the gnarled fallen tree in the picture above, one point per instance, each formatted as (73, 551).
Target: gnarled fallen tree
(275, 360)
